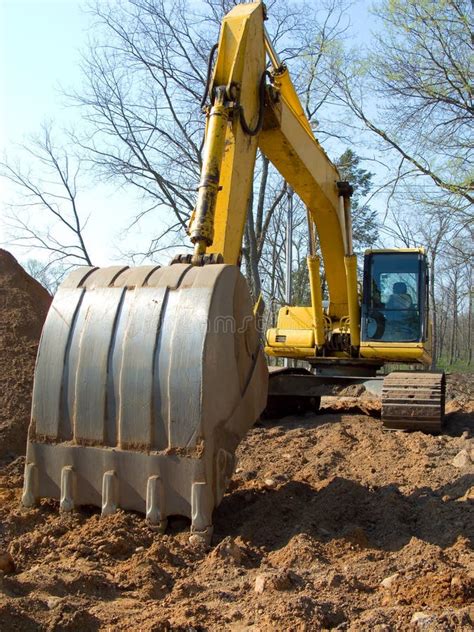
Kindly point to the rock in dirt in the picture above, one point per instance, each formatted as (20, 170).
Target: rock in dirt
(24, 304)
(280, 580)
(421, 619)
(456, 583)
(389, 581)
(261, 581)
(462, 460)
(228, 550)
(334, 580)
(54, 602)
(7, 565)
(199, 541)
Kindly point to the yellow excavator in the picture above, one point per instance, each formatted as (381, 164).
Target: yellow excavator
(147, 378)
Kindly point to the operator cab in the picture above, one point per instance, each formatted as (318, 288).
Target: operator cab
(395, 297)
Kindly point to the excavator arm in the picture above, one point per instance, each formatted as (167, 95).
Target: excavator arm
(252, 107)
(246, 114)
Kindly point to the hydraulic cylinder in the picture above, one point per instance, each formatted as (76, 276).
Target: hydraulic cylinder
(316, 299)
(350, 263)
(202, 227)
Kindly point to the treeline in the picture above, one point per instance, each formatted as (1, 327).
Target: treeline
(454, 307)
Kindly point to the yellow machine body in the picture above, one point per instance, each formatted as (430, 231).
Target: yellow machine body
(286, 339)
(409, 352)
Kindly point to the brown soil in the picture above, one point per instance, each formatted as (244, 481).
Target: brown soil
(23, 307)
(460, 390)
(331, 522)
(321, 510)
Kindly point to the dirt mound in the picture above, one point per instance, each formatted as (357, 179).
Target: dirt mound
(331, 522)
(460, 390)
(23, 307)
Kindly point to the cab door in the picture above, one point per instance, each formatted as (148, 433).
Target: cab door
(394, 306)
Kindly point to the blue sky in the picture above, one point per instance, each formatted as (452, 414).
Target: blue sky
(40, 46)
(40, 54)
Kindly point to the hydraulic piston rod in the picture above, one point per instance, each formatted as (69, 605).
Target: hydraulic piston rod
(313, 262)
(202, 226)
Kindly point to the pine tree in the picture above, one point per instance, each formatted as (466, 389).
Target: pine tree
(364, 219)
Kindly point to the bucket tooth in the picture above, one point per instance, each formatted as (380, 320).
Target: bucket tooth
(109, 493)
(155, 502)
(201, 512)
(31, 495)
(67, 488)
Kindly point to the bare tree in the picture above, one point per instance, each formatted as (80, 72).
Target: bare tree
(436, 221)
(470, 300)
(420, 68)
(49, 275)
(45, 216)
(145, 74)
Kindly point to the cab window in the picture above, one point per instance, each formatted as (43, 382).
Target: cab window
(392, 306)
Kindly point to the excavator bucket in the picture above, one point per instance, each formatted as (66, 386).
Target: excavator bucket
(146, 380)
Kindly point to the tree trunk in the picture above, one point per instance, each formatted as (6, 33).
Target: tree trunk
(251, 239)
(470, 297)
(434, 314)
(452, 346)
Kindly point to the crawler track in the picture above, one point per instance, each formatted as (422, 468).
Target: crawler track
(413, 401)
